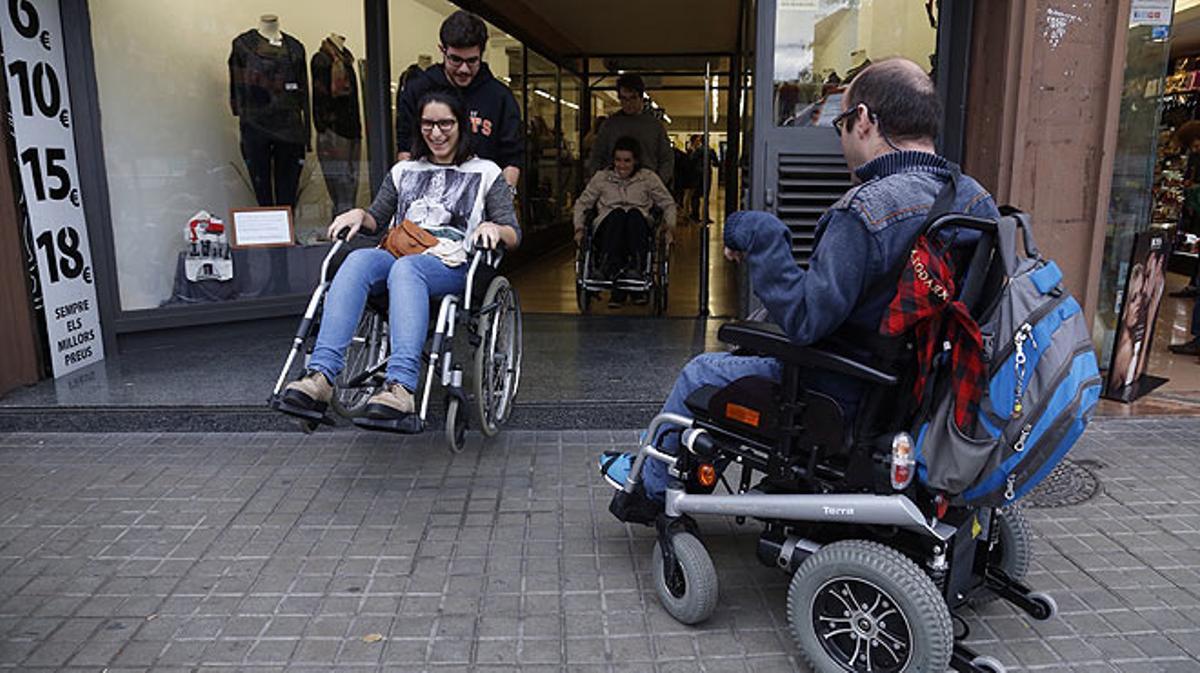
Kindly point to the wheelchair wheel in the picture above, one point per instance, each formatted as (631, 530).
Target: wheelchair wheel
(368, 347)
(661, 294)
(456, 425)
(690, 596)
(1013, 551)
(861, 606)
(497, 357)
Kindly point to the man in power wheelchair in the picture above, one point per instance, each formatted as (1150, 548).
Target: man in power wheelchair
(813, 412)
(445, 208)
(624, 226)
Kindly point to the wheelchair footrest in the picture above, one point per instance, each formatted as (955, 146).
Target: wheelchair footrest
(317, 415)
(409, 424)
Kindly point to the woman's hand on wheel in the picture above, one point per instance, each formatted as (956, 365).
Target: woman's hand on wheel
(351, 221)
(487, 235)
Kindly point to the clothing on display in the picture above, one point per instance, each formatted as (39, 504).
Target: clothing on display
(337, 120)
(268, 93)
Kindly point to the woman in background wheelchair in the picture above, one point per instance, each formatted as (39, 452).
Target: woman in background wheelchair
(622, 196)
(434, 209)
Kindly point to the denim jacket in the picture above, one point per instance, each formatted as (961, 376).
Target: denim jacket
(858, 240)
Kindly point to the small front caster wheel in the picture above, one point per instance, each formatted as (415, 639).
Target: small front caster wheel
(689, 593)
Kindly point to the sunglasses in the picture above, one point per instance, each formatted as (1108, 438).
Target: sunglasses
(443, 125)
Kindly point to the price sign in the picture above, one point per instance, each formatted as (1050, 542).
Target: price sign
(31, 31)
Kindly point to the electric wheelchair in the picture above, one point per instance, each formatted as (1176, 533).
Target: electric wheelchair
(878, 562)
(488, 313)
(655, 267)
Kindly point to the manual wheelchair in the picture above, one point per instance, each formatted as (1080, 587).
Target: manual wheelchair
(655, 267)
(878, 561)
(488, 313)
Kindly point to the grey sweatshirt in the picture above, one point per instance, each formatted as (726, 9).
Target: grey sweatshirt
(650, 134)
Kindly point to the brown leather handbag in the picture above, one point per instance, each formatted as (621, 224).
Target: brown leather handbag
(407, 238)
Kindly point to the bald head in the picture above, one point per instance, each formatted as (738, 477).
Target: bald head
(902, 97)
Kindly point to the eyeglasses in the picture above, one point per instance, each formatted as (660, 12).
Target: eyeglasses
(443, 125)
(840, 120)
(457, 61)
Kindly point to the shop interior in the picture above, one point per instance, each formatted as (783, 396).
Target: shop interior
(1174, 200)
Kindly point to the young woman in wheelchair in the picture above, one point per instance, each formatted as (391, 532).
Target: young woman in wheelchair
(622, 196)
(433, 210)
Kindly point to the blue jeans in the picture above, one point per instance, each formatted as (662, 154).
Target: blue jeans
(712, 369)
(410, 283)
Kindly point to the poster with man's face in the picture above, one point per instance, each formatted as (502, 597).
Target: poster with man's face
(1139, 309)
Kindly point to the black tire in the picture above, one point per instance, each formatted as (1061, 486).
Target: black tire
(664, 279)
(497, 362)
(583, 298)
(693, 599)
(883, 587)
(456, 425)
(1014, 548)
(368, 347)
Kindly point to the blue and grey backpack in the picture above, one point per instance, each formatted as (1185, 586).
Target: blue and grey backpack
(1041, 384)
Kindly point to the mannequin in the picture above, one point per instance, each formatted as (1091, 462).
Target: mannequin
(268, 93)
(336, 117)
(268, 27)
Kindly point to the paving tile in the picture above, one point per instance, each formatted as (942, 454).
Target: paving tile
(351, 551)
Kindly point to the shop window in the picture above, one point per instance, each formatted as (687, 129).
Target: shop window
(1141, 143)
(821, 44)
(543, 142)
(218, 108)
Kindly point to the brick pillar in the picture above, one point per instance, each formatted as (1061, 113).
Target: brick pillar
(1042, 114)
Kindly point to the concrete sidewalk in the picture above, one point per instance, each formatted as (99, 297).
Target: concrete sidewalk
(347, 551)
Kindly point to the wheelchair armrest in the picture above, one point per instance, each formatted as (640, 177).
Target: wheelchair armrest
(768, 339)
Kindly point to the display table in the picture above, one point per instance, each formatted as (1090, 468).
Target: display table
(257, 272)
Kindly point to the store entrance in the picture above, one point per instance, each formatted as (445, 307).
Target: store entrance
(682, 94)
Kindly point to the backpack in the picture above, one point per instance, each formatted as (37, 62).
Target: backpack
(1040, 381)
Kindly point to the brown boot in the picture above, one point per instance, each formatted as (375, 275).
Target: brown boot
(393, 400)
(313, 391)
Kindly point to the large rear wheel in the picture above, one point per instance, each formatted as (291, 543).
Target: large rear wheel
(861, 606)
(497, 370)
(368, 350)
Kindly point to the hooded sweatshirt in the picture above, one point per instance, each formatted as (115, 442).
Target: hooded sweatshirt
(491, 107)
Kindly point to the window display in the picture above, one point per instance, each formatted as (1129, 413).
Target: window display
(250, 105)
(822, 44)
(268, 92)
(336, 117)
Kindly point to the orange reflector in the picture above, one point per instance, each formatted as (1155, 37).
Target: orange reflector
(737, 412)
(706, 474)
(942, 505)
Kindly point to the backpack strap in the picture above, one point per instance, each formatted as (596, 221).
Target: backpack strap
(1026, 227)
